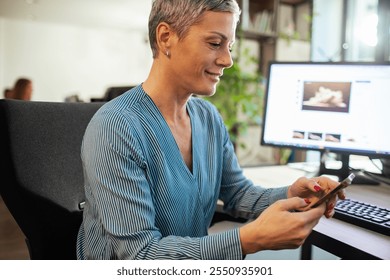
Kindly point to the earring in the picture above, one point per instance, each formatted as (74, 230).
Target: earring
(167, 53)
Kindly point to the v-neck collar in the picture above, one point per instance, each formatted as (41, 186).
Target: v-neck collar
(167, 131)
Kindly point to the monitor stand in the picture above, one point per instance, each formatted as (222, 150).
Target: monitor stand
(344, 171)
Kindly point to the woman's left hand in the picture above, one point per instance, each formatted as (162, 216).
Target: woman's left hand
(312, 189)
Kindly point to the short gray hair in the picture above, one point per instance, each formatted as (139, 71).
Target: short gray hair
(182, 14)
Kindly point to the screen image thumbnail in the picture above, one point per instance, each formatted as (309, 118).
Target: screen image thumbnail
(326, 96)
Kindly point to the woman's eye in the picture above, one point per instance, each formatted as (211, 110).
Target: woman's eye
(215, 45)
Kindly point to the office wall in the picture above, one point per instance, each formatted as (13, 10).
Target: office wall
(63, 60)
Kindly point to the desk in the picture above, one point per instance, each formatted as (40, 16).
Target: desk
(337, 237)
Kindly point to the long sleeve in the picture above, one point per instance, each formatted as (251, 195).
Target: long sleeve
(240, 196)
(131, 224)
(142, 202)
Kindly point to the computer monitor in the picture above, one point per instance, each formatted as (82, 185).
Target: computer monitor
(329, 107)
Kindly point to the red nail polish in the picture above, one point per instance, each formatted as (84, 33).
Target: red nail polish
(307, 200)
(317, 188)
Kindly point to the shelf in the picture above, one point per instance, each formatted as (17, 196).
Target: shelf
(252, 35)
(268, 21)
(293, 2)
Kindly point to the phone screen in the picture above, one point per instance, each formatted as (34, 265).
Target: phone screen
(343, 184)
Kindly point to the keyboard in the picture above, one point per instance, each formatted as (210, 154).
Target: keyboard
(364, 215)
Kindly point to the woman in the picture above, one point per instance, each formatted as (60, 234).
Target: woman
(22, 89)
(157, 159)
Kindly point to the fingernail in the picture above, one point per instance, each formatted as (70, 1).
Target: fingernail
(307, 200)
(317, 188)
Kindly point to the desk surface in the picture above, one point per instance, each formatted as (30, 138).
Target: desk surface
(333, 232)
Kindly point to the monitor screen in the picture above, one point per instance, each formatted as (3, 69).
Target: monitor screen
(336, 107)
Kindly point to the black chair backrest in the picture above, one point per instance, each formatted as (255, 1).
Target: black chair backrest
(41, 172)
(114, 92)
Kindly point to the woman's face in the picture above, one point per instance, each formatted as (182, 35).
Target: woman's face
(198, 59)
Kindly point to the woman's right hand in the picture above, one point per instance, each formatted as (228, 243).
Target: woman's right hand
(280, 227)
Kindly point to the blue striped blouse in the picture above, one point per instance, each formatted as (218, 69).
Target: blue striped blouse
(142, 202)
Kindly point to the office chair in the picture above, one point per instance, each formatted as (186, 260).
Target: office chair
(41, 172)
(113, 92)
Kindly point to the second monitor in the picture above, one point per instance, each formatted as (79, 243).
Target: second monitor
(337, 107)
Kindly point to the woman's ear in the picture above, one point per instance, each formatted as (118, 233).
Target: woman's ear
(164, 36)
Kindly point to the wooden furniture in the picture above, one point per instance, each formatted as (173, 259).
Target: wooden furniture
(268, 21)
(270, 30)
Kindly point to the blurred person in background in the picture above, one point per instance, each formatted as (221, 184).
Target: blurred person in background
(22, 89)
(7, 93)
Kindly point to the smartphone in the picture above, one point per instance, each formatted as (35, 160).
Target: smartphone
(343, 184)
